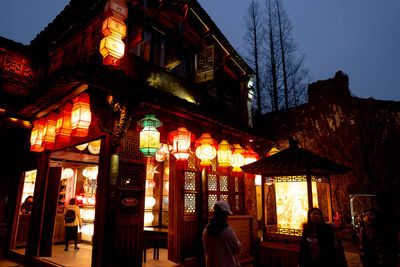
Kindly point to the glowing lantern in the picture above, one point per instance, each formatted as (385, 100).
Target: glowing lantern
(90, 172)
(94, 147)
(116, 8)
(237, 160)
(250, 156)
(67, 173)
(166, 186)
(37, 135)
(149, 202)
(112, 48)
(81, 115)
(181, 140)
(224, 155)
(206, 150)
(162, 153)
(148, 217)
(149, 136)
(114, 26)
(273, 151)
(49, 131)
(63, 127)
(257, 180)
(82, 146)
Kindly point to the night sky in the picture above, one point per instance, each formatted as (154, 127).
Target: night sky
(359, 37)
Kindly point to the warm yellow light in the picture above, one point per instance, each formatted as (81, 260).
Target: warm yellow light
(149, 140)
(82, 146)
(292, 203)
(112, 46)
(90, 172)
(149, 202)
(257, 181)
(148, 217)
(67, 173)
(114, 26)
(94, 147)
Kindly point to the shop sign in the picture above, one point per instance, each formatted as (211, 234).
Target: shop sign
(130, 201)
(205, 65)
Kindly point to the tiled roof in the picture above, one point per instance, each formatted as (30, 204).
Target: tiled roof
(295, 161)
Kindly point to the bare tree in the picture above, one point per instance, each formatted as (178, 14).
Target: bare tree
(272, 59)
(253, 37)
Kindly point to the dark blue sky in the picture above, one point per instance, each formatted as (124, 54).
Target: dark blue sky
(359, 37)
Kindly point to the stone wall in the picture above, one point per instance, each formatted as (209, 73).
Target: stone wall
(363, 134)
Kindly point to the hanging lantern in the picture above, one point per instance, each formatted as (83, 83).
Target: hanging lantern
(149, 136)
(81, 115)
(148, 217)
(67, 173)
(149, 202)
(237, 160)
(49, 131)
(162, 153)
(181, 140)
(94, 147)
(116, 8)
(273, 151)
(82, 147)
(250, 156)
(63, 127)
(90, 172)
(114, 26)
(206, 150)
(224, 156)
(112, 49)
(37, 135)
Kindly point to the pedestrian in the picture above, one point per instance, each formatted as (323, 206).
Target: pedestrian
(72, 218)
(317, 246)
(370, 239)
(219, 240)
(26, 207)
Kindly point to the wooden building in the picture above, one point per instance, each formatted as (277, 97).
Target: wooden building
(115, 63)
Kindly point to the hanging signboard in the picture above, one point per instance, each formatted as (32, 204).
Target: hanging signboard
(205, 65)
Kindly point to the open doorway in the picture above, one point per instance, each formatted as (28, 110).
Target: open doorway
(74, 170)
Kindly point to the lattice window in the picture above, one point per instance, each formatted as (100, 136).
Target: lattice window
(212, 182)
(223, 183)
(224, 198)
(300, 178)
(212, 199)
(131, 148)
(192, 162)
(190, 181)
(236, 184)
(130, 174)
(237, 202)
(190, 203)
(214, 164)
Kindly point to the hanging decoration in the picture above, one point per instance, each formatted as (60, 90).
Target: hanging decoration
(149, 202)
(63, 126)
(162, 153)
(250, 156)
(82, 147)
(112, 48)
(181, 140)
(90, 172)
(237, 160)
(67, 173)
(224, 156)
(94, 147)
(149, 135)
(206, 150)
(80, 115)
(49, 131)
(37, 135)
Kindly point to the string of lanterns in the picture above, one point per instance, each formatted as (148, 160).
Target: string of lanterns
(206, 148)
(72, 120)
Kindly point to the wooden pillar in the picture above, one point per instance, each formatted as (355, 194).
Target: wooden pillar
(176, 211)
(49, 214)
(263, 200)
(309, 191)
(35, 228)
(329, 192)
(250, 207)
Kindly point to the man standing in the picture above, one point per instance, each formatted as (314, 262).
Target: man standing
(220, 242)
(72, 218)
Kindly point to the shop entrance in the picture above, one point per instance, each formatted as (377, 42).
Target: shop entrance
(73, 171)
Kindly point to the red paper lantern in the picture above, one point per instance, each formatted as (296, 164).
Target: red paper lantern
(181, 140)
(49, 132)
(81, 115)
(37, 135)
(237, 160)
(63, 127)
(250, 156)
(206, 150)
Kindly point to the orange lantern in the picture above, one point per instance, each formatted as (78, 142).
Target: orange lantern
(112, 49)
(114, 26)
(37, 135)
(250, 156)
(237, 160)
(49, 131)
(81, 115)
(224, 156)
(116, 8)
(206, 150)
(63, 126)
(181, 140)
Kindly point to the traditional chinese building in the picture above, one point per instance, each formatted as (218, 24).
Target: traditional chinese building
(124, 105)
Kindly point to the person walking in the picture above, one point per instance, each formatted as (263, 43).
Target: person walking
(72, 218)
(317, 246)
(219, 240)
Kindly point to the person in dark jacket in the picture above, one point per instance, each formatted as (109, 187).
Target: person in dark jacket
(219, 240)
(26, 207)
(317, 247)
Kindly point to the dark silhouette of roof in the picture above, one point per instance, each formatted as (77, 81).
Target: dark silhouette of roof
(295, 161)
